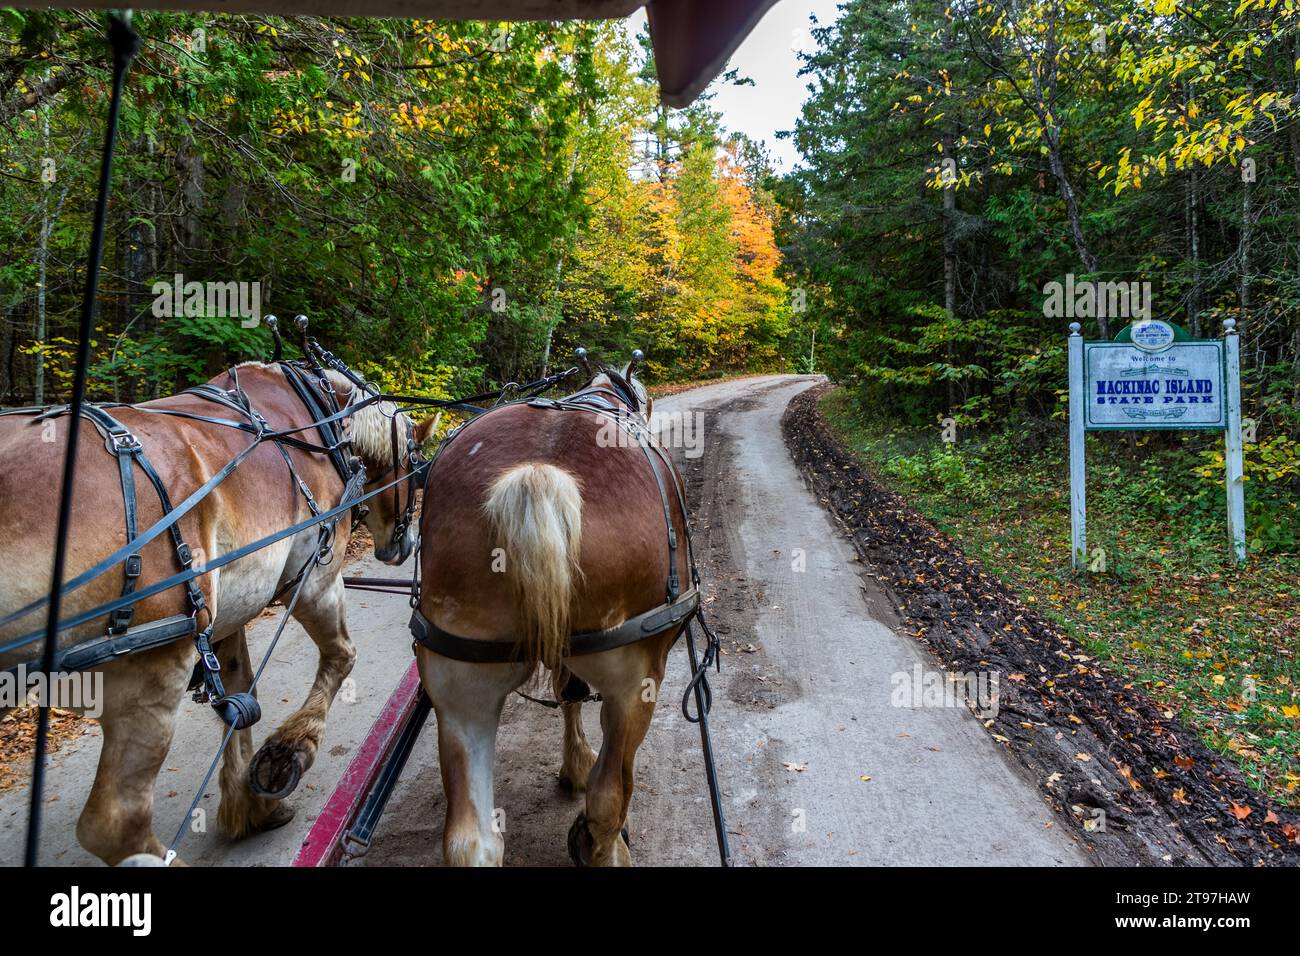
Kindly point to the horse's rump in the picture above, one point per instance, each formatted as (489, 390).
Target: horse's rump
(623, 552)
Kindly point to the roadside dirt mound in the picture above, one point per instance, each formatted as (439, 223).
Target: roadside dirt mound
(1143, 789)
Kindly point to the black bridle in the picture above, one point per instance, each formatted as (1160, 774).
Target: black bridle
(412, 459)
(321, 358)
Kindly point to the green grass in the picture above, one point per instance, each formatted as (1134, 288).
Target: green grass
(1215, 644)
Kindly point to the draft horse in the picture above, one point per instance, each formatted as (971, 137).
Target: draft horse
(185, 440)
(558, 538)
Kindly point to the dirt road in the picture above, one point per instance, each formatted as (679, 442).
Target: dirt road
(818, 764)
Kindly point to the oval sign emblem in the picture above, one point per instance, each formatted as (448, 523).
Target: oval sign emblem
(1152, 335)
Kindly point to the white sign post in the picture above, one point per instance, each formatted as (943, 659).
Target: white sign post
(1154, 376)
(1232, 443)
(1078, 479)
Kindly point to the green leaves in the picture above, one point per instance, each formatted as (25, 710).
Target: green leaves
(374, 174)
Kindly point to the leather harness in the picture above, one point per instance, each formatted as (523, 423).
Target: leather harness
(679, 607)
(238, 710)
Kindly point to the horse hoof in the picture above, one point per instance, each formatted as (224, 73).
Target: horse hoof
(280, 814)
(275, 771)
(580, 842)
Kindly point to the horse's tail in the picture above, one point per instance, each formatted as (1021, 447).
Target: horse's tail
(535, 512)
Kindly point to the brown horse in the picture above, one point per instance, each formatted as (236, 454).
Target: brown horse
(141, 692)
(542, 528)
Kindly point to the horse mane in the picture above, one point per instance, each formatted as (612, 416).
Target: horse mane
(369, 430)
(621, 385)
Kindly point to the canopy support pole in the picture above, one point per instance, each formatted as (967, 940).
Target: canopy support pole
(125, 42)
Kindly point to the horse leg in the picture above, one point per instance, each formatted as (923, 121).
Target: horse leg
(242, 812)
(628, 679)
(141, 698)
(467, 699)
(578, 757)
(289, 752)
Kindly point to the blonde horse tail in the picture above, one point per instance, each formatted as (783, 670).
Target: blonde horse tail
(535, 513)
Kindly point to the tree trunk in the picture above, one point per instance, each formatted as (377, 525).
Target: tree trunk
(1243, 264)
(189, 166)
(141, 259)
(949, 265)
(1194, 252)
(6, 351)
(949, 239)
(42, 266)
(1295, 128)
(1066, 191)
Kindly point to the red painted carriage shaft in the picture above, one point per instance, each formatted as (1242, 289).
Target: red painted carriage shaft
(323, 845)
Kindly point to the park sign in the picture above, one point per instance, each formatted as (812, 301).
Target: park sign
(1155, 376)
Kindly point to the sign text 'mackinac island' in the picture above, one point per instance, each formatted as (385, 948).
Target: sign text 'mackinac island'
(1129, 387)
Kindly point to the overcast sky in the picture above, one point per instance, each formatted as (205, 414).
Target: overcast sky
(768, 58)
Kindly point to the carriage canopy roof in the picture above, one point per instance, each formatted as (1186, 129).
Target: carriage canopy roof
(692, 38)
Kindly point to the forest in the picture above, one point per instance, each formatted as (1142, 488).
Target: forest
(964, 160)
(453, 205)
(457, 205)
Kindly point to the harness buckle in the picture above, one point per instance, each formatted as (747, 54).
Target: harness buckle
(133, 566)
(184, 554)
(124, 442)
(210, 662)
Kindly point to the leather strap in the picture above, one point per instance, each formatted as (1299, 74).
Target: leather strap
(139, 638)
(324, 418)
(124, 447)
(477, 651)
